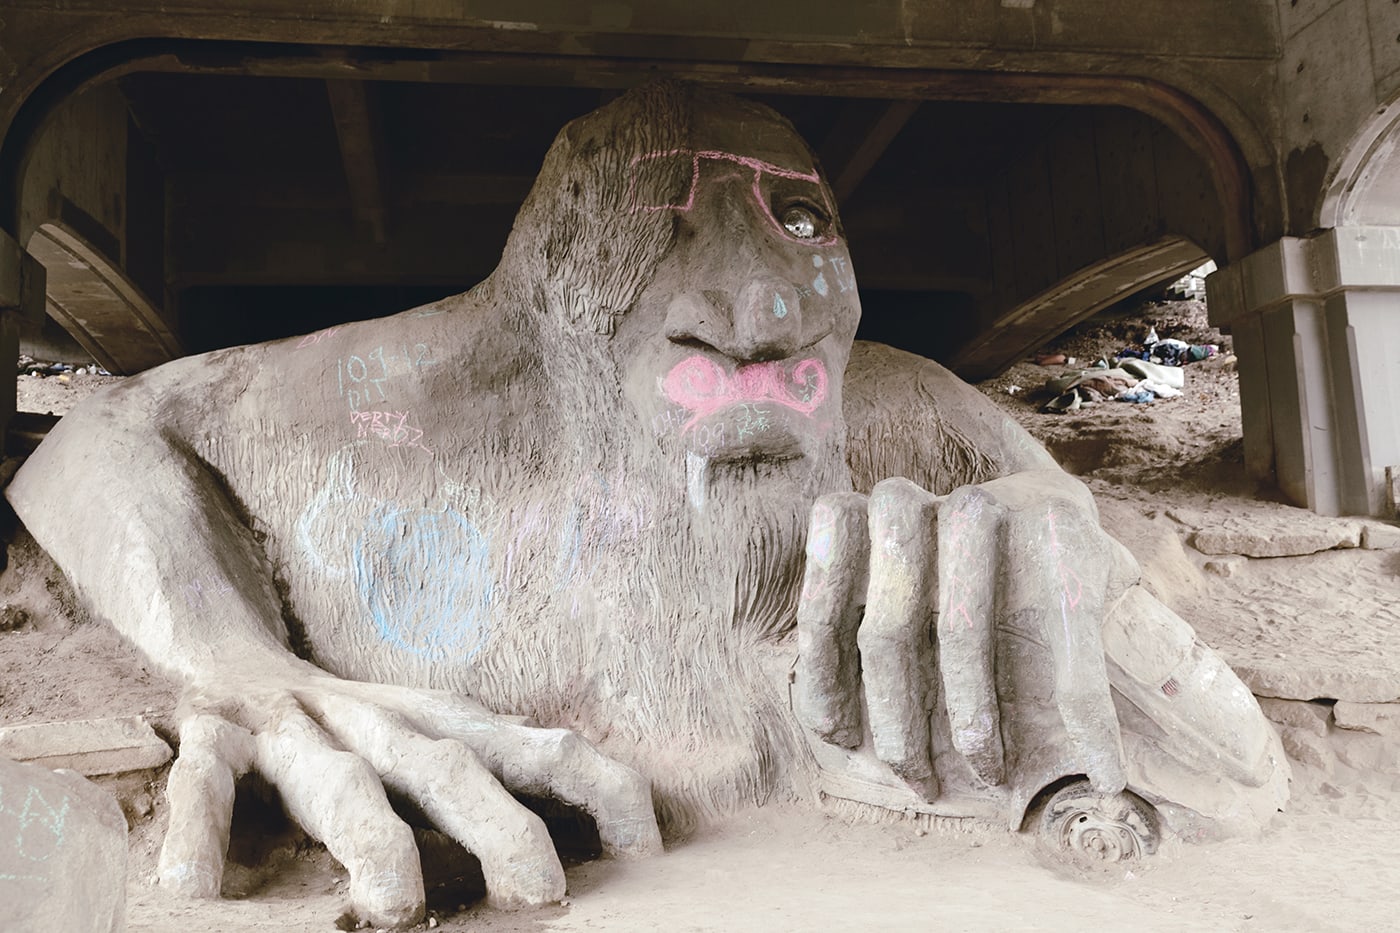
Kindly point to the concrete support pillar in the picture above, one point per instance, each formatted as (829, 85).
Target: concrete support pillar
(1316, 324)
(21, 302)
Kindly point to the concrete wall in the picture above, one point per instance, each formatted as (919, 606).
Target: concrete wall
(1340, 71)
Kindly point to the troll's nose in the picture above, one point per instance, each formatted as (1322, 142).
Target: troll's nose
(761, 321)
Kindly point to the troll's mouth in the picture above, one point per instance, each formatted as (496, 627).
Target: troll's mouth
(702, 387)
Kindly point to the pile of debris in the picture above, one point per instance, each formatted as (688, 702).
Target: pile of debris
(1140, 373)
(28, 366)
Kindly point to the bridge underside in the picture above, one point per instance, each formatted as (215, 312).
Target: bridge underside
(255, 193)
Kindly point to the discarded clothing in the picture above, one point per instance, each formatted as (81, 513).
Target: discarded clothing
(1138, 395)
(1166, 375)
(1170, 352)
(1157, 389)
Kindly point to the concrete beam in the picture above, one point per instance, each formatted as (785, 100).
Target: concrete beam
(359, 152)
(856, 143)
(1089, 290)
(96, 303)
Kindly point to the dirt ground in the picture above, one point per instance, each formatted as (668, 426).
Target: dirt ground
(1304, 631)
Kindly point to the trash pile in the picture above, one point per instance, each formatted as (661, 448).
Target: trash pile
(28, 366)
(1140, 374)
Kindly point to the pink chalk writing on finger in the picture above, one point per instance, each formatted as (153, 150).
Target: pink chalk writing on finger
(702, 387)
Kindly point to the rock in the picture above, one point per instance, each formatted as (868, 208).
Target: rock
(1307, 748)
(1378, 537)
(1225, 568)
(88, 746)
(1276, 537)
(1368, 753)
(1299, 714)
(1372, 680)
(1376, 718)
(1191, 518)
(62, 852)
(12, 617)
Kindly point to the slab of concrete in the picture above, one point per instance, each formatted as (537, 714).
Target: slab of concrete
(1376, 718)
(88, 746)
(1273, 538)
(1268, 530)
(1376, 536)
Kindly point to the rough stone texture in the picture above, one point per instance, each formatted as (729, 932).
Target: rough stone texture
(88, 746)
(1378, 537)
(1224, 568)
(1299, 714)
(1367, 753)
(1277, 540)
(1308, 748)
(62, 853)
(895, 650)
(828, 618)
(1377, 718)
(1376, 681)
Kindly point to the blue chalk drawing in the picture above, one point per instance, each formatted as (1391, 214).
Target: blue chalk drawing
(34, 830)
(568, 563)
(425, 579)
(819, 283)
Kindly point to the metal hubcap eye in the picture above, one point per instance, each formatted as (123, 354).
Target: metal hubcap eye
(800, 222)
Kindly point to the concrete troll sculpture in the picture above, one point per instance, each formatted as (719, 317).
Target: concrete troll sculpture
(563, 536)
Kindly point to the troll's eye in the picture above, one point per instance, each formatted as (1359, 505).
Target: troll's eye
(801, 222)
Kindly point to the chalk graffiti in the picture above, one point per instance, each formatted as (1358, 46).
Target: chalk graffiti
(702, 387)
(709, 438)
(391, 426)
(360, 380)
(779, 307)
(321, 529)
(425, 579)
(961, 524)
(845, 276)
(750, 421)
(819, 542)
(312, 339)
(667, 421)
(32, 829)
(840, 268)
(1071, 587)
(653, 166)
(206, 591)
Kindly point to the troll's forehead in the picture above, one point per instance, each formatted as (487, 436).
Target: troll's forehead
(748, 130)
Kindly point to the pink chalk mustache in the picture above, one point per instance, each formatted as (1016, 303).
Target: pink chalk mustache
(703, 387)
